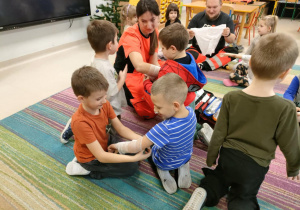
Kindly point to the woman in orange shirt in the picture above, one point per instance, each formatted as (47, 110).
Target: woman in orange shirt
(138, 48)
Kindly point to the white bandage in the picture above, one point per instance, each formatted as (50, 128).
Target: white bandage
(153, 71)
(246, 57)
(133, 146)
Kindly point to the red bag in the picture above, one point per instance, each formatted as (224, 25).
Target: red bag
(201, 104)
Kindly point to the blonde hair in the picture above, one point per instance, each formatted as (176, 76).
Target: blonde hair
(127, 11)
(272, 55)
(271, 21)
(172, 87)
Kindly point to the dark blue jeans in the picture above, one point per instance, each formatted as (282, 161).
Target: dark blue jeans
(237, 175)
(102, 170)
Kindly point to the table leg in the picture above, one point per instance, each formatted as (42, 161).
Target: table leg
(241, 28)
(188, 15)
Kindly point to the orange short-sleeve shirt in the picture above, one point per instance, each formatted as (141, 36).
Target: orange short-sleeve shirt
(88, 128)
(132, 40)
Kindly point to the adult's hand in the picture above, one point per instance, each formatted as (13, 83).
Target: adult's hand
(191, 33)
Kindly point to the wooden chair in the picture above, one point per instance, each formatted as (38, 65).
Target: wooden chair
(240, 2)
(227, 9)
(226, 2)
(248, 25)
(293, 7)
(195, 11)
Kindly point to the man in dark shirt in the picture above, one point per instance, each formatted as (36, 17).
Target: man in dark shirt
(212, 16)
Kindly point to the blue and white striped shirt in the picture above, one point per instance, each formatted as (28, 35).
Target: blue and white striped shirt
(173, 141)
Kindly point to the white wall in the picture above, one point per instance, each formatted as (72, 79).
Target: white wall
(24, 41)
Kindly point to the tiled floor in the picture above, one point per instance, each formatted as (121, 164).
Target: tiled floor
(38, 76)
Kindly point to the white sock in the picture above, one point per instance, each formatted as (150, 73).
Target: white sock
(74, 168)
(184, 176)
(206, 132)
(167, 181)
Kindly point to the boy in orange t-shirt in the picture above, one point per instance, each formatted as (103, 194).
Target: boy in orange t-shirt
(89, 127)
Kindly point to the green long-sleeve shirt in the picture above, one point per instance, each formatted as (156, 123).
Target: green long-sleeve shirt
(255, 126)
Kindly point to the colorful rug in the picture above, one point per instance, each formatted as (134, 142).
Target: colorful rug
(33, 164)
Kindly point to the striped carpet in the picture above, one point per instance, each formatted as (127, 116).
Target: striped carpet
(32, 164)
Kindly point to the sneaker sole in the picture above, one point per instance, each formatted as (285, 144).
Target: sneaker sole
(62, 140)
(197, 199)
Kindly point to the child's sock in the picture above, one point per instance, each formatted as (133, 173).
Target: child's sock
(167, 181)
(229, 83)
(74, 168)
(197, 199)
(206, 132)
(184, 176)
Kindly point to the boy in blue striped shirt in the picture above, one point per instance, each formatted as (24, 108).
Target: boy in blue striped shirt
(172, 139)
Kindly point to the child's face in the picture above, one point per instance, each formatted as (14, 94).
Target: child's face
(131, 21)
(168, 53)
(95, 101)
(162, 107)
(114, 46)
(172, 16)
(148, 22)
(263, 29)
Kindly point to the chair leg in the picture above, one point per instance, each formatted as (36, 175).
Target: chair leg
(282, 13)
(293, 13)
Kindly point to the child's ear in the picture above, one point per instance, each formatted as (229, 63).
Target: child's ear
(80, 98)
(176, 105)
(269, 29)
(173, 47)
(284, 74)
(108, 46)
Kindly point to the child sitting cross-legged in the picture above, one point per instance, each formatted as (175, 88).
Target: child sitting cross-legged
(89, 126)
(172, 139)
(243, 143)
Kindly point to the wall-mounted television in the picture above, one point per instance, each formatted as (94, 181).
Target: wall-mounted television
(21, 13)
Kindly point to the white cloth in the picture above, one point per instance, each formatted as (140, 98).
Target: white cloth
(208, 38)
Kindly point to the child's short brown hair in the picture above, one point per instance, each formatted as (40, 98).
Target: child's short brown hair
(272, 55)
(86, 80)
(172, 87)
(175, 34)
(100, 33)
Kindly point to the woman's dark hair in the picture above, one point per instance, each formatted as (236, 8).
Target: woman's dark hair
(172, 7)
(152, 7)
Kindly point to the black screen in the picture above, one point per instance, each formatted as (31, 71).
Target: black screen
(20, 13)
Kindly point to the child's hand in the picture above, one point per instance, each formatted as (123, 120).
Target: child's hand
(146, 77)
(298, 113)
(294, 177)
(142, 155)
(123, 74)
(112, 148)
(228, 54)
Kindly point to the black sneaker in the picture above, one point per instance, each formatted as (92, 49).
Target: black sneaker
(67, 133)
